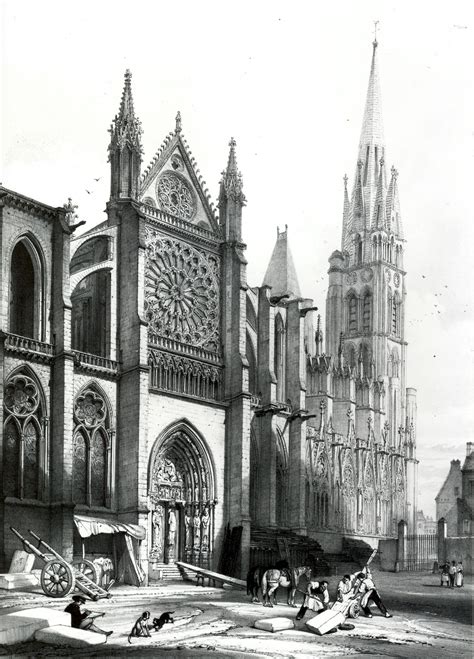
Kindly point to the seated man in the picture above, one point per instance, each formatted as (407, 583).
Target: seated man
(84, 619)
(365, 586)
(316, 598)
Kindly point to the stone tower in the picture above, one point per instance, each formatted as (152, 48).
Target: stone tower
(365, 308)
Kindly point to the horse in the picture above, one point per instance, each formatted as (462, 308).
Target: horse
(255, 575)
(286, 577)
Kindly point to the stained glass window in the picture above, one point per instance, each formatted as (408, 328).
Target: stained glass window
(31, 460)
(23, 413)
(79, 469)
(90, 462)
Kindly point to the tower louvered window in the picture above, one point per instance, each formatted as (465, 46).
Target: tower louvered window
(367, 313)
(352, 314)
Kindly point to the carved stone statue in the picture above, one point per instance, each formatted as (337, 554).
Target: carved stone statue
(188, 522)
(157, 525)
(197, 529)
(205, 528)
(171, 528)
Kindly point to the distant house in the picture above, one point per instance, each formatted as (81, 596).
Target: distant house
(425, 525)
(455, 500)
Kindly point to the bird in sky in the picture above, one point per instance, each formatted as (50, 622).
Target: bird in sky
(88, 192)
(98, 179)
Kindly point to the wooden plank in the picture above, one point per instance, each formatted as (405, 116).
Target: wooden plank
(213, 575)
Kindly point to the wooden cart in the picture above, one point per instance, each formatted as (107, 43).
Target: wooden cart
(58, 577)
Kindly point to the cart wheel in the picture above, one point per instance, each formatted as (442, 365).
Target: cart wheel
(87, 568)
(354, 610)
(57, 578)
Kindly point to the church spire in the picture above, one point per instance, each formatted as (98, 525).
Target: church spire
(372, 140)
(345, 217)
(125, 150)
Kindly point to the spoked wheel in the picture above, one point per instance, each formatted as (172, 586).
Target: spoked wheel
(57, 579)
(354, 610)
(87, 568)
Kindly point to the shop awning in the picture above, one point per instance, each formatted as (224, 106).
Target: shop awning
(88, 526)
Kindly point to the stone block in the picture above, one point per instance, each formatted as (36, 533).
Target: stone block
(274, 624)
(21, 581)
(21, 626)
(69, 636)
(22, 561)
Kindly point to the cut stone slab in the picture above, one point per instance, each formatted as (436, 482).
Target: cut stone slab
(21, 626)
(274, 624)
(20, 581)
(22, 561)
(70, 636)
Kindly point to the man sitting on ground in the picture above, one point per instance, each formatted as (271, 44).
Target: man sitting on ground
(84, 619)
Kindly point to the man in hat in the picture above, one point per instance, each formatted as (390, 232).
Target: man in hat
(364, 585)
(84, 619)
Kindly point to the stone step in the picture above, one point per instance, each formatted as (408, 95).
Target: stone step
(21, 626)
(70, 636)
(18, 581)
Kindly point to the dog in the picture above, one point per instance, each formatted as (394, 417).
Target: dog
(140, 628)
(162, 620)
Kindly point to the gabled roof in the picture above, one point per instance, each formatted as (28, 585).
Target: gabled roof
(281, 271)
(175, 141)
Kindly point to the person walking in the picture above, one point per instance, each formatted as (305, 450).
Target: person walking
(452, 574)
(84, 619)
(316, 598)
(365, 586)
(459, 575)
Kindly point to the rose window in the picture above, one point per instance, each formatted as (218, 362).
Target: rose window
(21, 396)
(175, 196)
(181, 293)
(90, 408)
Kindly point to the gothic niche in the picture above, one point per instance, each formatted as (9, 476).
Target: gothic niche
(182, 503)
(181, 293)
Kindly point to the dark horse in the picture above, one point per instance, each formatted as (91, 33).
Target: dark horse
(255, 576)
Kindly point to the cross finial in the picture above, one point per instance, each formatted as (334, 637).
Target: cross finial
(375, 32)
(345, 179)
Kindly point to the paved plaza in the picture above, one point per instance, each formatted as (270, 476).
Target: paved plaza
(429, 621)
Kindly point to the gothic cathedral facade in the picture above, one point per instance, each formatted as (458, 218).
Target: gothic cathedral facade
(144, 382)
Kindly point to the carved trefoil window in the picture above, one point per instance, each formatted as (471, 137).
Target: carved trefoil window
(181, 293)
(91, 450)
(25, 438)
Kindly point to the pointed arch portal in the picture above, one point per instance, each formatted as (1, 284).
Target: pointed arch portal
(181, 489)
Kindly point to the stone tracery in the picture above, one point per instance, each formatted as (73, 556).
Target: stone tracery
(175, 196)
(181, 292)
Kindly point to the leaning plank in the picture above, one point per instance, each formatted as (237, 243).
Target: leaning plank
(223, 578)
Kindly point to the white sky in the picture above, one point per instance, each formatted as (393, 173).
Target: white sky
(288, 81)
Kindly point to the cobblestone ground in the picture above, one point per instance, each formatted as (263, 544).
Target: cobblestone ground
(429, 621)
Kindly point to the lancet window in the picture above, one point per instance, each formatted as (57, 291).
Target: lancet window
(279, 358)
(91, 449)
(26, 316)
(367, 312)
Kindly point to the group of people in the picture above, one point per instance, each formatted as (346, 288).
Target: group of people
(350, 587)
(452, 574)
